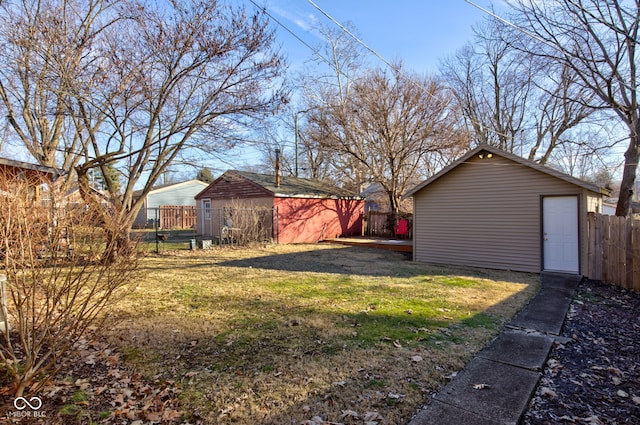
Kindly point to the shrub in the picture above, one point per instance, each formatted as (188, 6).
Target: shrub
(57, 284)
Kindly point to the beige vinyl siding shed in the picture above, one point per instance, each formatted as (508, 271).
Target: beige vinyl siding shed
(485, 210)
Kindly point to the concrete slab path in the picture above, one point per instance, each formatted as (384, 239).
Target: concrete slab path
(495, 387)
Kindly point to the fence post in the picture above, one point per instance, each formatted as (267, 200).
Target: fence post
(635, 229)
(155, 228)
(591, 245)
(600, 249)
(629, 260)
(606, 248)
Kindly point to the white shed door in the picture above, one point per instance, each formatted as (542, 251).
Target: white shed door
(560, 234)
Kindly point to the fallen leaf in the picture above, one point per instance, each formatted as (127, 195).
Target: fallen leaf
(593, 420)
(118, 399)
(615, 370)
(372, 416)
(636, 399)
(416, 359)
(154, 416)
(480, 386)
(349, 413)
(397, 344)
(622, 393)
(170, 415)
(546, 391)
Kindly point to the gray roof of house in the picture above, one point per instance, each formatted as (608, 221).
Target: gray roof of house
(296, 187)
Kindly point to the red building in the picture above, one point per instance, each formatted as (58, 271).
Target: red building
(29, 179)
(285, 210)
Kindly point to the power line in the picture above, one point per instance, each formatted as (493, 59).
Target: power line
(517, 27)
(346, 30)
(314, 50)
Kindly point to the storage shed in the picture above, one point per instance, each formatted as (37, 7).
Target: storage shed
(496, 210)
(292, 210)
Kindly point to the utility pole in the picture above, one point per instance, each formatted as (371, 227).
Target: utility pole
(296, 139)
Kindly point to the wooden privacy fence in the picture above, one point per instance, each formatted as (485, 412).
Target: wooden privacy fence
(613, 249)
(377, 224)
(383, 224)
(177, 217)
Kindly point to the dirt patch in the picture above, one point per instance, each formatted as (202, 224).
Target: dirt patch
(593, 378)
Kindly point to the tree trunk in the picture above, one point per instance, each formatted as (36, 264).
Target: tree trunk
(631, 157)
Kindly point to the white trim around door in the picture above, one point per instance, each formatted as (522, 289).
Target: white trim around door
(560, 234)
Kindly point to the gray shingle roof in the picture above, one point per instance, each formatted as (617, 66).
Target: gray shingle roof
(296, 187)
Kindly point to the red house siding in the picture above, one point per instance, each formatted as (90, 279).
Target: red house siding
(304, 220)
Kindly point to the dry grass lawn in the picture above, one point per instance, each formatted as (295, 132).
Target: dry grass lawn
(298, 333)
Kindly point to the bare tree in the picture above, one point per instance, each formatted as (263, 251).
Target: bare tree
(511, 99)
(580, 160)
(151, 82)
(45, 49)
(492, 87)
(326, 82)
(386, 127)
(597, 41)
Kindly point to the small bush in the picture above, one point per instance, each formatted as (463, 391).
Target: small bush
(57, 284)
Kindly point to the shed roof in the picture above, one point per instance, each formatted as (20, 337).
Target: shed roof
(293, 187)
(486, 149)
(28, 166)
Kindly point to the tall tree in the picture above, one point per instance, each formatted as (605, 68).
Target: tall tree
(136, 84)
(387, 126)
(328, 81)
(512, 99)
(46, 45)
(597, 41)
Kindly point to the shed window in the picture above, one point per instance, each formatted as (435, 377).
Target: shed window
(206, 205)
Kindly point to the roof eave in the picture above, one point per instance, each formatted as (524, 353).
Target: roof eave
(531, 164)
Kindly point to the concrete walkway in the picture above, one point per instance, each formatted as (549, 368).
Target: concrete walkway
(509, 367)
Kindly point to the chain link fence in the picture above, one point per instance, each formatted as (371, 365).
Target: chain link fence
(202, 228)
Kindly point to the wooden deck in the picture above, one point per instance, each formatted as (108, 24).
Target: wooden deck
(399, 245)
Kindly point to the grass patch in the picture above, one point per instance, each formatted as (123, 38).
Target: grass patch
(285, 333)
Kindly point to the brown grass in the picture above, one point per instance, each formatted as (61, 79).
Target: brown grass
(284, 334)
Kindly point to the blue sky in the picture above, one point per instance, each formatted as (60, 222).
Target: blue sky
(419, 32)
